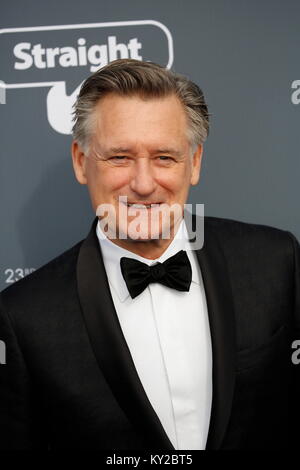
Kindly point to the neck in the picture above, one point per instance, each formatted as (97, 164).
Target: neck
(147, 249)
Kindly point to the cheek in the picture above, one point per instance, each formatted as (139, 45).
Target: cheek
(107, 180)
(175, 180)
(118, 178)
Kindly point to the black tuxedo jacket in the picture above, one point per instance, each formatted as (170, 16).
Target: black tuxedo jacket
(69, 380)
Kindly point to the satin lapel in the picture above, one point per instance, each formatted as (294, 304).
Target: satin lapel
(109, 345)
(222, 327)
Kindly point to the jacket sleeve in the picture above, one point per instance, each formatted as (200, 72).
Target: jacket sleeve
(20, 418)
(295, 350)
(297, 283)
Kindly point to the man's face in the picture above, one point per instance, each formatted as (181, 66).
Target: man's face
(139, 150)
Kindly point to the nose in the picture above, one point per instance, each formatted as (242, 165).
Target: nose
(142, 181)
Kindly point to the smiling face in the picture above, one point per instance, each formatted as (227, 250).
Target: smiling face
(139, 150)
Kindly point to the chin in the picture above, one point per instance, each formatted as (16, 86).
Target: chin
(144, 236)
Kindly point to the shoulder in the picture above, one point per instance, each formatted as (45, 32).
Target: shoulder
(229, 230)
(50, 283)
(257, 244)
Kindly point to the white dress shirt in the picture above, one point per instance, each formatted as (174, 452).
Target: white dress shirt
(168, 335)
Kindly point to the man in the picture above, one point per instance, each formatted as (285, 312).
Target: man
(134, 340)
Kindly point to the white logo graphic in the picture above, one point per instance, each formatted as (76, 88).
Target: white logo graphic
(295, 97)
(58, 55)
(2, 93)
(2, 352)
(151, 221)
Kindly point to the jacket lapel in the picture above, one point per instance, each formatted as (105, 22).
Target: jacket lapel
(222, 328)
(109, 345)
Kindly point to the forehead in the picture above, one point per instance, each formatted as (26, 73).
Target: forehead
(121, 120)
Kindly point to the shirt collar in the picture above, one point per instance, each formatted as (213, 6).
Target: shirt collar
(112, 254)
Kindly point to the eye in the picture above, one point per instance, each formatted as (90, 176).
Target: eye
(165, 160)
(165, 157)
(119, 160)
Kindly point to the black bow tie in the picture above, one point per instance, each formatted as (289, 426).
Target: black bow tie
(175, 272)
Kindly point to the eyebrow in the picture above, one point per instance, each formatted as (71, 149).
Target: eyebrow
(121, 150)
(118, 150)
(170, 151)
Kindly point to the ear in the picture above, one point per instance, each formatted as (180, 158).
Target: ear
(79, 163)
(196, 165)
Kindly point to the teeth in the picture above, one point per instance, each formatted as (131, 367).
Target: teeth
(139, 206)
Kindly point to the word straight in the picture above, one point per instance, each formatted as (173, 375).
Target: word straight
(96, 55)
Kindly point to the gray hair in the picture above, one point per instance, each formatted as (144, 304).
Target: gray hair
(127, 77)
